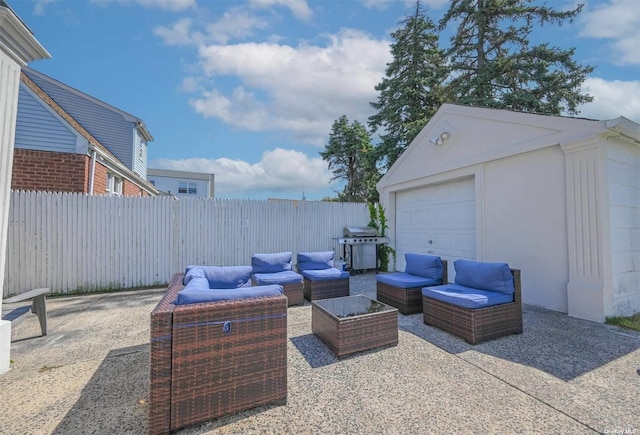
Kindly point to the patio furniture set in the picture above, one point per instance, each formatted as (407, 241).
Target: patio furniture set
(219, 334)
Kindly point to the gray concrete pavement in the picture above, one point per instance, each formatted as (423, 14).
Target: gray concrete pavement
(90, 375)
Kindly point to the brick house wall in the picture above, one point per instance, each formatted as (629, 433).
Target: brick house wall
(50, 171)
(130, 189)
(100, 180)
(62, 172)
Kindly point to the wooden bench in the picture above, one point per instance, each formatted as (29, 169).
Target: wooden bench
(38, 306)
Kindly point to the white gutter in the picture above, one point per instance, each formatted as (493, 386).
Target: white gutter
(92, 171)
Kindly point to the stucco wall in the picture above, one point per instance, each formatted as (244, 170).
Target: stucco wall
(623, 165)
(525, 222)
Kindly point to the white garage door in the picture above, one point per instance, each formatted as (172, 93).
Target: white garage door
(437, 220)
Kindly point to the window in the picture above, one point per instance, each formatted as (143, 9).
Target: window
(114, 184)
(188, 188)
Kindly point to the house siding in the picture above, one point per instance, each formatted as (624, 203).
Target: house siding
(39, 129)
(105, 123)
(50, 171)
(169, 181)
(623, 162)
(140, 156)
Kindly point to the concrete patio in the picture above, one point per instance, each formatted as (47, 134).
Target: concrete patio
(90, 375)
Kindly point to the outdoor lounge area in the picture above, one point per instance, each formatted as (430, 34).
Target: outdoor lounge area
(90, 374)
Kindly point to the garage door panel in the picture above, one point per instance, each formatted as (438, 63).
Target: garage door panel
(464, 215)
(437, 220)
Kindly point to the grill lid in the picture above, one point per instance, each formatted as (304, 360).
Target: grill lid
(360, 232)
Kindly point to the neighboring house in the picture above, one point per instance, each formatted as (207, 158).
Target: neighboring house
(557, 197)
(68, 141)
(182, 184)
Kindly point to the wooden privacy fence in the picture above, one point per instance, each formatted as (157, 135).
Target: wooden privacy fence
(75, 242)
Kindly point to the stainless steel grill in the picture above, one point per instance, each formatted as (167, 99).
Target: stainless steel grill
(359, 247)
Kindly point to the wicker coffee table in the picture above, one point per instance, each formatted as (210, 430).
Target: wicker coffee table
(352, 324)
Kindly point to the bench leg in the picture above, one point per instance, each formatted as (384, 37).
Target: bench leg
(39, 307)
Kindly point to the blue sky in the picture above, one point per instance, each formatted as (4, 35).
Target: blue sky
(249, 89)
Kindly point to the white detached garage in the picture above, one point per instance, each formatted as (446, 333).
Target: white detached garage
(557, 197)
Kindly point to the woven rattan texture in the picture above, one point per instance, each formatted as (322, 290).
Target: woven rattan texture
(354, 334)
(406, 300)
(326, 289)
(224, 357)
(293, 291)
(476, 325)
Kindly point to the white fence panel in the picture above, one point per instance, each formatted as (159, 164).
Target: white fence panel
(74, 242)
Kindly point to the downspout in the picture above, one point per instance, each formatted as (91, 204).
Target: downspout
(92, 170)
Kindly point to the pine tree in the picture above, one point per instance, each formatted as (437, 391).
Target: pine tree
(350, 156)
(493, 65)
(411, 91)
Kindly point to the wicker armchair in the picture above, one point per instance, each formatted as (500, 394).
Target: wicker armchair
(477, 324)
(276, 269)
(215, 358)
(321, 279)
(403, 290)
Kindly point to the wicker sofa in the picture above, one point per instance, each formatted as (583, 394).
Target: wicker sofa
(484, 303)
(276, 268)
(403, 290)
(321, 279)
(215, 357)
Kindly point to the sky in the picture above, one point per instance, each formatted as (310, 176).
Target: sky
(249, 89)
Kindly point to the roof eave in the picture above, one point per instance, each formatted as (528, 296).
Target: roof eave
(144, 132)
(17, 40)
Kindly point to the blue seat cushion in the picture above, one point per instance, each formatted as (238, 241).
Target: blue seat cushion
(495, 277)
(324, 274)
(286, 277)
(427, 266)
(466, 297)
(196, 294)
(226, 277)
(315, 260)
(271, 263)
(405, 280)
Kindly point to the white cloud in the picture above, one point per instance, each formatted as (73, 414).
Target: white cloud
(299, 89)
(299, 8)
(611, 99)
(235, 23)
(383, 4)
(618, 21)
(286, 171)
(170, 5)
(39, 7)
(179, 33)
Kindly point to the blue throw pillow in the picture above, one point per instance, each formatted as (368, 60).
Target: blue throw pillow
(222, 277)
(427, 266)
(192, 272)
(315, 260)
(199, 283)
(271, 263)
(496, 277)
